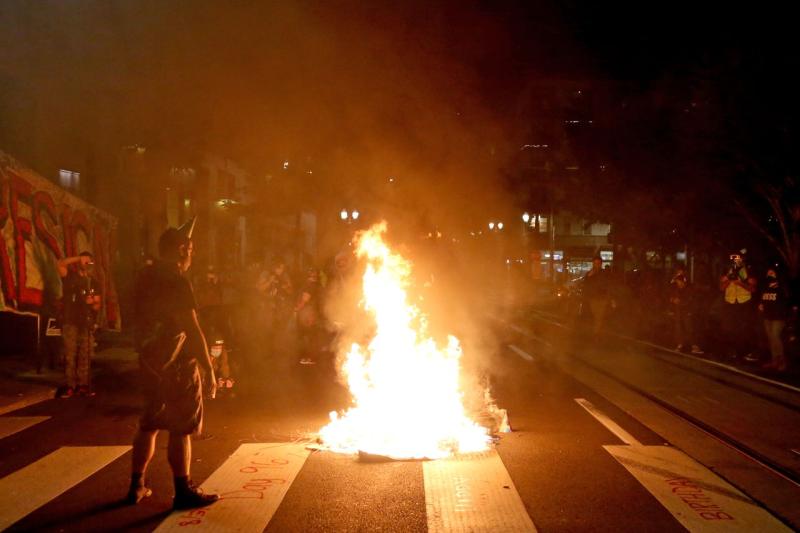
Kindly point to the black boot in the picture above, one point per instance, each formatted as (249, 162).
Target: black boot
(187, 496)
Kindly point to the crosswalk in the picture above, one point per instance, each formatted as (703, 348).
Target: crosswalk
(14, 424)
(473, 493)
(251, 485)
(29, 488)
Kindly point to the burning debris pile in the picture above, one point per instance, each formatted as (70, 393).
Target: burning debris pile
(407, 399)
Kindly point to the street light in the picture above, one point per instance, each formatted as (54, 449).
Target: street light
(500, 225)
(349, 216)
(491, 225)
(526, 217)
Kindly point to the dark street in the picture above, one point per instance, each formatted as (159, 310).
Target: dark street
(436, 266)
(604, 433)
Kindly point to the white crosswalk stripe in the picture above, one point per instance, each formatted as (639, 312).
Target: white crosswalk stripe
(31, 487)
(699, 499)
(251, 485)
(473, 493)
(14, 424)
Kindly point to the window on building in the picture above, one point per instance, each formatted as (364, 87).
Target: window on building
(69, 179)
(543, 224)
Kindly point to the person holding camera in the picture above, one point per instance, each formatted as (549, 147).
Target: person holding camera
(81, 303)
(738, 286)
(681, 309)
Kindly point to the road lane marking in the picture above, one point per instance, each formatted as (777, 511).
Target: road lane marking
(473, 493)
(31, 487)
(251, 483)
(530, 334)
(699, 499)
(610, 425)
(31, 399)
(522, 353)
(14, 424)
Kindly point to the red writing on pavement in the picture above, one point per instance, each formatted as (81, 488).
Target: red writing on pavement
(252, 488)
(697, 499)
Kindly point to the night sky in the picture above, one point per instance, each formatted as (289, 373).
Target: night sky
(360, 90)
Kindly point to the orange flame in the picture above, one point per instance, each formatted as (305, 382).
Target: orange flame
(407, 402)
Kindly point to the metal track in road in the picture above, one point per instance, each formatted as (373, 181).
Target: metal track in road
(743, 449)
(763, 396)
(743, 388)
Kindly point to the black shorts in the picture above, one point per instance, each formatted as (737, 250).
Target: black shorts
(173, 401)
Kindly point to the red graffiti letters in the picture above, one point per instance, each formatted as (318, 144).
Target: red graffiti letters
(39, 224)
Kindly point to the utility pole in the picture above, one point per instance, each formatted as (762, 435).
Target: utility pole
(552, 231)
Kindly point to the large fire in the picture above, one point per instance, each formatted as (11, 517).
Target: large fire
(407, 401)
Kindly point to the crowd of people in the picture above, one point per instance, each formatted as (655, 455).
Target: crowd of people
(193, 341)
(745, 316)
(269, 318)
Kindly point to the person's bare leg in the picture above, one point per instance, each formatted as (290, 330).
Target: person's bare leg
(179, 454)
(144, 446)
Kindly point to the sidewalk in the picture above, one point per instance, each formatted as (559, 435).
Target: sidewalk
(789, 378)
(21, 385)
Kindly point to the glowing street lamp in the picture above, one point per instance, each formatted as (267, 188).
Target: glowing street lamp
(499, 225)
(349, 216)
(491, 225)
(526, 217)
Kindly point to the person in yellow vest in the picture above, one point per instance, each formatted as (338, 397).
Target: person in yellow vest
(738, 317)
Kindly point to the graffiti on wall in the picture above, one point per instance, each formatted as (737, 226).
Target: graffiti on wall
(39, 224)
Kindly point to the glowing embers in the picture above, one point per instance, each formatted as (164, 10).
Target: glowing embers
(407, 402)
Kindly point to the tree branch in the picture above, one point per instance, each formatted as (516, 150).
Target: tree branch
(771, 238)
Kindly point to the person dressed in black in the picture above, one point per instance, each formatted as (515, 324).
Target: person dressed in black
(682, 309)
(596, 293)
(81, 302)
(171, 346)
(774, 309)
(274, 289)
(309, 315)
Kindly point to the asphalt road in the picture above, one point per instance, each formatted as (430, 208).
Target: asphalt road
(559, 456)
